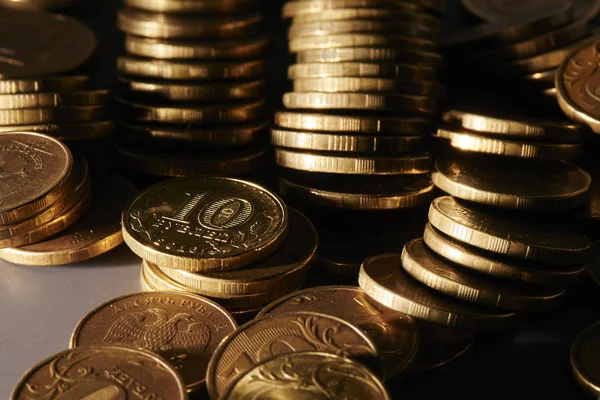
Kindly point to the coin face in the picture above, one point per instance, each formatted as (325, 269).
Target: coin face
(322, 375)
(202, 224)
(274, 335)
(394, 333)
(41, 44)
(585, 354)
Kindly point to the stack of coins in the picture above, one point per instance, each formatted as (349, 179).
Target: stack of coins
(192, 89)
(226, 239)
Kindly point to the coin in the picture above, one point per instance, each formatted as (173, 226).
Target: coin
(515, 184)
(550, 92)
(184, 329)
(504, 268)
(372, 54)
(370, 85)
(286, 266)
(299, 8)
(395, 334)
(383, 279)
(47, 99)
(33, 174)
(252, 48)
(583, 10)
(45, 84)
(415, 163)
(167, 26)
(480, 144)
(202, 6)
(359, 40)
(322, 28)
(545, 61)
(52, 115)
(36, 5)
(204, 224)
(507, 235)
(362, 69)
(359, 192)
(272, 335)
(360, 101)
(184, 70)
(40, 44)
(543, 78)
(584, 359)
(350, 124)
(574, 80)
(441, 345)
(307, 140)
(67, 131)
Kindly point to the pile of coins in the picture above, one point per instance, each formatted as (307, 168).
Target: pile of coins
(192, 89)
(229, 240)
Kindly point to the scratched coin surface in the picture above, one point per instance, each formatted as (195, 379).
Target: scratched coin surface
(308, 375)
(184, 329)
(273, 335)
(38, 44)
(202, 224)
(101, 372)
(395, 334)
(585, 359)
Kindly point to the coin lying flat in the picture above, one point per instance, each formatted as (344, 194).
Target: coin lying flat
(372, 54)
(52, 115)
(322, 28)
(494, 10)
(67, 131)
(201, 6)
(362, 69)
(360, 40)
(360, 101)
(222, 224)
(372, 85)
(383, 279)
(47, 99)
(515, 184)
(503, 234)
(395, 334)
(504, 268)
(584, 359)
(272, 335)
(300, 8)
(416, 163)
(545, 61)
(101, 371)
(441, 345)
(45, 84)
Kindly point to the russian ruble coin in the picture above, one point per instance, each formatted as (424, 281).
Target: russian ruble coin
(584, 355)
(197, 6)
(360, 40)
(51, 115)
(48, 99)
(545, 61)
(369, 85)
(293, 9)
(495, 11)
(323, 28)
(371, 54)
(363, 69)
(67, 131)
(384, 280)
(507, 235)
(514, 184)
(44, 84)
(223, 224)
(416, 163)
(441, 345)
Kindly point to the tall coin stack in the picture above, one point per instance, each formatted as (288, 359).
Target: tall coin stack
(192, 89)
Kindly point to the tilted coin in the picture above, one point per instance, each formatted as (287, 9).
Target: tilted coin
(272, 335)
(167, 26)
(362, 69)
(204, 224)
(545, 61)
(51, 115)
(383, 279)
(501, 267)
(494, 10)
(67, 131)
(41, 44)
(101, 371)
(33, 174)
(47, 99)
(584, 356)
(515, 184)
(395, 334)
(441, 345)
(416, 163)
(360, 40)
(186, 70)
(507, 235)
(322, 28)
(479, 143)
(372, 54)
(299, 8)
(184, 329)
(428, 268)
(45, 84)
(370, 85)
(360, 101)
(198, 6)
(363, 125)
(218, 50)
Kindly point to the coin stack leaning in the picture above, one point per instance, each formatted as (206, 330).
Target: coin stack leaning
(226, 239)
(192, 89)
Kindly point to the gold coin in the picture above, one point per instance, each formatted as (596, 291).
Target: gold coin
(204, 224)
(362, 69)
(306, 140)
(363, 125)
(428, 268)
(369, 85)
(417, 163)
(272, 335)
(360, 101)
(67, 131)
(183, 328)
(322, 28)
(441, 345)
(359, 40)
(480, 144)
(494, 10)
(98, 232)
(182, 70)
(584, 356)
(545, 61)
(360, 193)
(46, 99)
(504, 268)
(383, 280)
(218, 50)
(52, 115)
(395, 334)
(191, 92)
(192, 113)
(372, 54)
(522, 128)
(45, 84)
(101, 371)
(197, 6)
(33, 175)
(550, 92)
(167, 26)
(507, 235)
(300, 8)
(287, 266)
(514, 184)
(543, 78)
